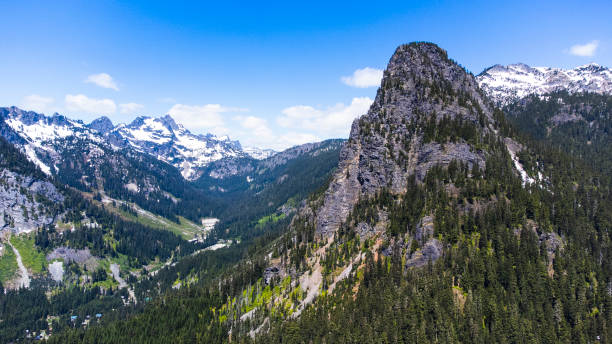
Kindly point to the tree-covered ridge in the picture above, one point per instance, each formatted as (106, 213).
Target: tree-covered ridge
(499, 279)
(78, 222)
(579, 124)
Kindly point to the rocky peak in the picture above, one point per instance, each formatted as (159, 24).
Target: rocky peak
(421, 89)
(102, 124)
(169, 122)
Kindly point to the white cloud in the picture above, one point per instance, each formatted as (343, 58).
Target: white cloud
(102, 80)
(257, 127)
(36, 103)
(202, 117)
(130, 107)
(293, 139)
(585, 50)
(362, 78)
(80, 102)
(334, 121)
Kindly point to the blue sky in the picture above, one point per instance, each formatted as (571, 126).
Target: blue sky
(268, 74)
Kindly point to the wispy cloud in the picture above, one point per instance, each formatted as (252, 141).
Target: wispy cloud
(103, 80)
(584, 50)
(81, 102)
(256, 132)
(129, 108)
(334, 121)
(203, 118)
(362, 78)
(36, 103)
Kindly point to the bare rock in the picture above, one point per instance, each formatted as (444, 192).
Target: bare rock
(431, 251)
(386, 145)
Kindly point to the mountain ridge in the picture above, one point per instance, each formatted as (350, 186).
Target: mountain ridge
(160, 137)
(505, 84)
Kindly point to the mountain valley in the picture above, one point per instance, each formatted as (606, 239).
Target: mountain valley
(461, 208)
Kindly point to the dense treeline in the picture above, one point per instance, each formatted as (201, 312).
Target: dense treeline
(140, 243)
(189, 314)
(496, 282)
(578, 124)
(28, 309)
(286, 184)
(156, 185)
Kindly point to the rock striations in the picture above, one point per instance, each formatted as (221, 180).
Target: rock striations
(420, 88)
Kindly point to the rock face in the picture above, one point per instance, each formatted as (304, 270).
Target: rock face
(424, 229)
(431, 251)
(270, 273)
(505, 84)
(387, 144)
(102, 124)
(70, 255)
(24, 202)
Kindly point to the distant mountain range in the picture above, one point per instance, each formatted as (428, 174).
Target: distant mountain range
(504, 84)
(160, 137)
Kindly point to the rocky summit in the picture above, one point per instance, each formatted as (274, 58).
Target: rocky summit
(420, 87)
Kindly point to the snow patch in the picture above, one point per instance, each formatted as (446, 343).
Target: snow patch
(31, 154)
(513, 149)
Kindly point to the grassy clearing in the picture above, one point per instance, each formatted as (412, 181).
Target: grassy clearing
(270, 218)
(32, 258)
(8, 264)
(185, 229)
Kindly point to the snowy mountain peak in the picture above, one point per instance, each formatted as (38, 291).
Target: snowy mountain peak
(161, 137)
(507, 83)
(171, 142)
(258, 153)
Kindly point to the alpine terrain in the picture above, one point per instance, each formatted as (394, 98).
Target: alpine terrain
(443, 218)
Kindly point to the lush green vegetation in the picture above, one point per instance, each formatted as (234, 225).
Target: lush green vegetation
(184, 228)
(496, 281)
(33, 259)
(8, 263)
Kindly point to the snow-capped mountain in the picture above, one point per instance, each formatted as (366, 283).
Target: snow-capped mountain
(39, 135)
(259, 153)
(170, 142)
(507, 83)
(42, 138)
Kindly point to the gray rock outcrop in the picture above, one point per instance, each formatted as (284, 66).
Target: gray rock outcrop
(387, 144)
(23, 202)
(431, 251)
